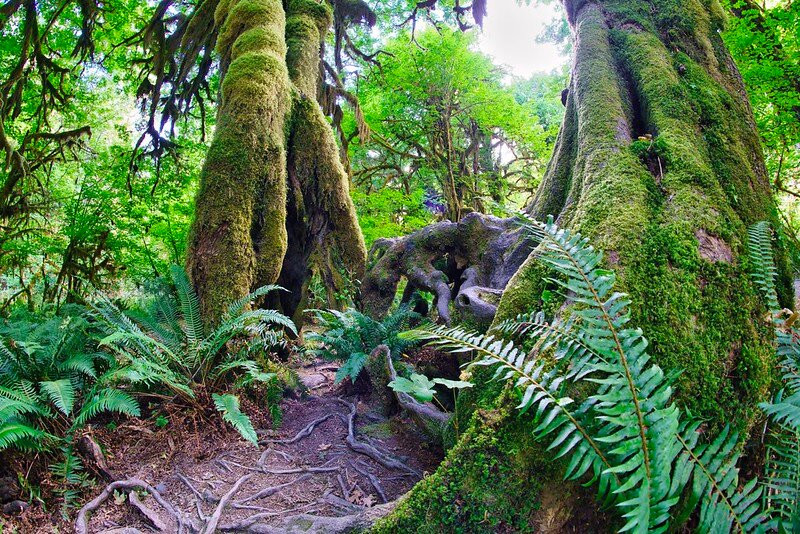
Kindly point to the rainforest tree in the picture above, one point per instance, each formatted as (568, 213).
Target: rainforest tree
(658, 160)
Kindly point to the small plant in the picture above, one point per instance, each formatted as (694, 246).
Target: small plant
(422, 388)
(783, 450)
(167, 346)
(350, 336)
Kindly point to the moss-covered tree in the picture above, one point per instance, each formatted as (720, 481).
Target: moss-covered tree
(248, 231)
(658, 161)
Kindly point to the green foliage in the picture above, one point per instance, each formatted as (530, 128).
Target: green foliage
(228, 406)
(626, 436)
(442, 121)
(166, 346)
(350, 336)
(783, 458)
(52, 384)
(422, 388)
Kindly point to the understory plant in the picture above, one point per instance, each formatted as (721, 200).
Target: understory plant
(627, 437)
(166, 346)
(350, 336)
(53, 381)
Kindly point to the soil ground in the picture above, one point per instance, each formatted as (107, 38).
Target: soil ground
(316, 473)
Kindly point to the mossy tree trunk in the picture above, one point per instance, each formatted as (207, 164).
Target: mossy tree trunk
(658, 161)
(250, 228)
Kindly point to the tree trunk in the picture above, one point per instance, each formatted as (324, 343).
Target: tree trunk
(658, 161)
(268, 121)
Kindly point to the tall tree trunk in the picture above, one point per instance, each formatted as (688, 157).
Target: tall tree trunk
(268, 119)
(658, 161)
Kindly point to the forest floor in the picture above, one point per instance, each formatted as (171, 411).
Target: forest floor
(330, 466)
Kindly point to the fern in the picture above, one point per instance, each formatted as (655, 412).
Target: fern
(783, 478)
(783, 452)
(190, 306)
(107, 400)
(628, 434)
(228, 406)
(763, 265)
(351, 336)
(61, 393)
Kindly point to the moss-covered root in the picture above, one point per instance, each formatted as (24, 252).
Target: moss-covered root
(242, 184)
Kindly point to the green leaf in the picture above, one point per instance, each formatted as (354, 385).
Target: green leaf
(61, 393)
(228, 406)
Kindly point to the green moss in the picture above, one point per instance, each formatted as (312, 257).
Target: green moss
(326, 185)
(484, 484)
(239, 236)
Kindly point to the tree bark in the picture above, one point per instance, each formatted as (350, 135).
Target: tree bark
(250, 228)
(658, 161)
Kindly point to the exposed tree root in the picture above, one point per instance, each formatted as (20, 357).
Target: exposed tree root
(426, 414)
(82, 524)
(372, 480)
(302, 434)
(369, 450)
(152, 517)
(211, 525)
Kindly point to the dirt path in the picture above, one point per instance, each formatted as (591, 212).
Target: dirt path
(332, 465)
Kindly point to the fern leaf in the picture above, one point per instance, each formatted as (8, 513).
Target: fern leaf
(540, 394)
(61, 393)
(106, 400)
(352, 367)
(228, 406)
(760, 252)
(81, 363)
(190, 306)
(239, 305)
(783, 482)
(21, 436)
(723, 507)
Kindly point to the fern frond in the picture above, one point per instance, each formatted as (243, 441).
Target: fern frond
(715, 479)
(106, 400)
(783, 481)
(760, 252)
(637, 405)
(238, 306)
(540, 390)
(61, 393)
(190, 306)
(81, 363)
(21, 436)
(228, 406)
